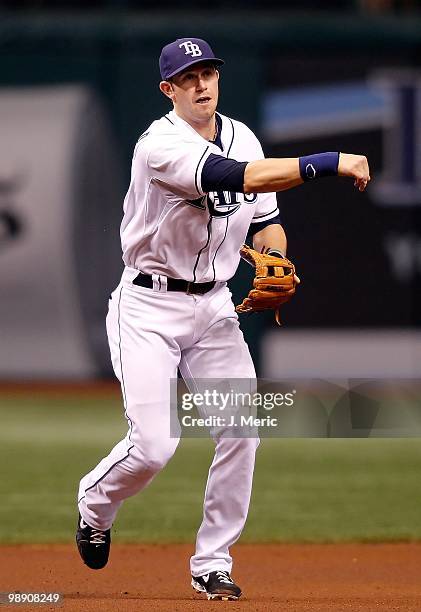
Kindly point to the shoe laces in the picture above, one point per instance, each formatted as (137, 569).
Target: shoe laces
(224, 577)
(97, 537)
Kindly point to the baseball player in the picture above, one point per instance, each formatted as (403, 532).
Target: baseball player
(200, 187)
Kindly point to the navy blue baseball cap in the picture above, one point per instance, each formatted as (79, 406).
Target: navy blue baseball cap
(184, 52)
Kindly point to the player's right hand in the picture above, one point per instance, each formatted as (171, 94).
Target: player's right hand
(355, 166)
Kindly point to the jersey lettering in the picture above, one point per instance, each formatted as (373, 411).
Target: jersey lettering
(223, 203)
(250, 198)
(226, 203)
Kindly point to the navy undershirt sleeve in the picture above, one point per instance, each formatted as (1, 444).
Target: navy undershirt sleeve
(223, 174)
(256, 227)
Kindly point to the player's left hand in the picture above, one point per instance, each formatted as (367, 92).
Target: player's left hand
(274, 283)
(355, 166)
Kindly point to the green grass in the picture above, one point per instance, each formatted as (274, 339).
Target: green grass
(305, 489)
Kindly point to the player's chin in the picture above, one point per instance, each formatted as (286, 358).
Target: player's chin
(206, 108)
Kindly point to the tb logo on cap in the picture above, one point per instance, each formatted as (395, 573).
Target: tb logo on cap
(191, 48)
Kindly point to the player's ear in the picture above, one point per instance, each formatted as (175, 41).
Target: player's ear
(167, 89)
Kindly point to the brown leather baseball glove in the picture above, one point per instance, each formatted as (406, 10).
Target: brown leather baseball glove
(274, 283)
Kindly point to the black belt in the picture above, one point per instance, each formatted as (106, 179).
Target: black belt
(175, 284)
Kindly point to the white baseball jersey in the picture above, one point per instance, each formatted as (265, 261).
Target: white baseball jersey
(170, 225)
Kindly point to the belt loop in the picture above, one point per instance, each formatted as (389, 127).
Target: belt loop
(156, 283)
(164, 282)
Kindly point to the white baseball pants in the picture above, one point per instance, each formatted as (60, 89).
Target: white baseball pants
(151, 333)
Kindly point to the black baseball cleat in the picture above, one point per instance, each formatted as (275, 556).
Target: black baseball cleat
(217, 585)
(93, 544)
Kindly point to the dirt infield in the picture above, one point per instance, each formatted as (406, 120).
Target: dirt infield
(297, 578)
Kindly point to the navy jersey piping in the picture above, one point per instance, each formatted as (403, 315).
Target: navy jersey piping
(209, 228)
(226, 227)
(197, 169)
(123, 387)
(218, 140)
(216, 252)
(143, 136)
(265, 215)
(232, 139)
